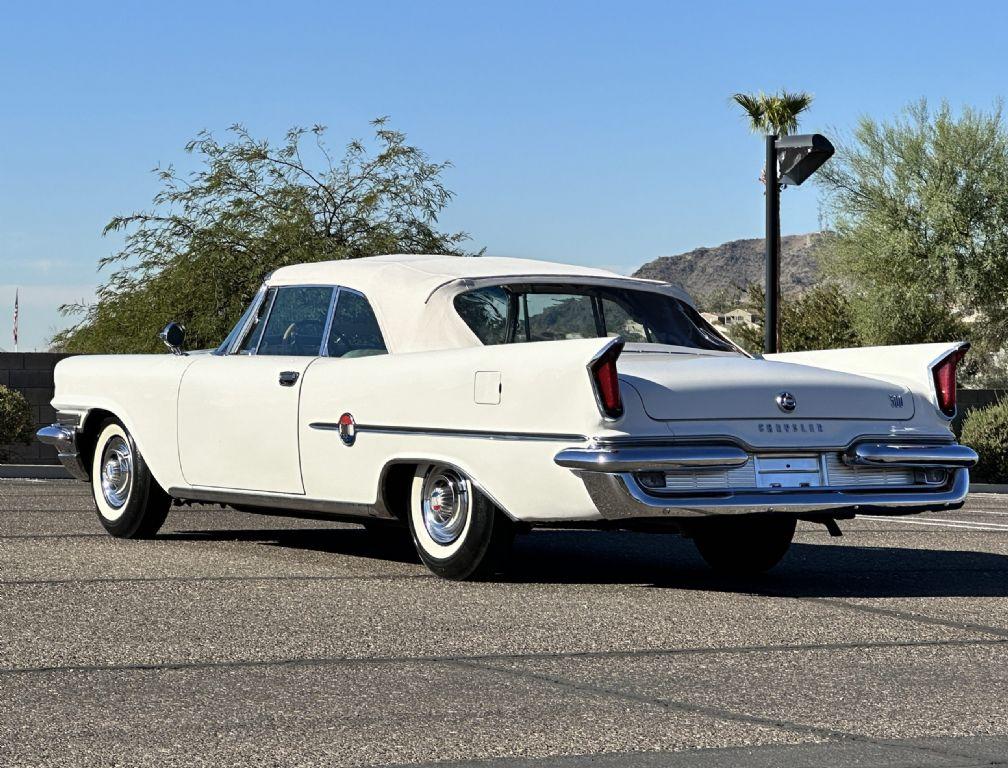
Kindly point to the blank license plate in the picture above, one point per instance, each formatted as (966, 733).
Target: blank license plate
(788, 472)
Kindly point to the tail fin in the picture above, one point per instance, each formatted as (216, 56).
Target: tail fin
(928, 370)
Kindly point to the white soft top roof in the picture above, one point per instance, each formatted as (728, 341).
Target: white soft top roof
(401, 287)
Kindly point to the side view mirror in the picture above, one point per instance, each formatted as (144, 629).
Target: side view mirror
(173, 336)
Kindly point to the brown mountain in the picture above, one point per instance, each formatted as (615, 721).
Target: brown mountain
(721, 275)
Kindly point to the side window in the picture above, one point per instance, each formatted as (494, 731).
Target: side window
(621, 322)
(559, 316)
(485, 311)
(254, 333)
(297, 321)
(354, 331)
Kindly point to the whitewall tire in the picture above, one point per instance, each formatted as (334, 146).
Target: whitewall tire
(129, 501)
(458, 532)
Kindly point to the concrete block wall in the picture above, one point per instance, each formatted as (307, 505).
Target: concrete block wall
(31, 374)
(970, 399)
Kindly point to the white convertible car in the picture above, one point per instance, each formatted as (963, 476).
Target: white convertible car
(470, 398)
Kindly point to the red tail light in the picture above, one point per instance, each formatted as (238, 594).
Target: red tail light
(606, 381)
(944, 373)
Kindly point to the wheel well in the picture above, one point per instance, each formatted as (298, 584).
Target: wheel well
(88, 435)
(397, 483)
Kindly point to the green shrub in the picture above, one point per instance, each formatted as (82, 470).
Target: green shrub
(985, 430)
(16, 421)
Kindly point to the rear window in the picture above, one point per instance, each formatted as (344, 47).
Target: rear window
(509, 314)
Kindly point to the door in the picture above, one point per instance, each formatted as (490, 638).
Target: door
(238, 413)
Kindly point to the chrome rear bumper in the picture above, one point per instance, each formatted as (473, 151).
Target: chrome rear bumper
(610, 476)
(945, 456)
(649, 459)
(64, 439)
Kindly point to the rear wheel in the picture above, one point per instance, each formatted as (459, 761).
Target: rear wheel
(458, 532)
(129, 501)
(744, 545)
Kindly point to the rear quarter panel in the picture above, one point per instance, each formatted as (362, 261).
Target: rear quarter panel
(544, 390)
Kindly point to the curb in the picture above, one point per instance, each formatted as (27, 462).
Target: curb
(33, 472)
(988, 487)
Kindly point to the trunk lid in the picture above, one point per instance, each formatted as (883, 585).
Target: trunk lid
(697, 387)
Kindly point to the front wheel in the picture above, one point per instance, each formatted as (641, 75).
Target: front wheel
(129, 501)
(458, 532)
(744, 545)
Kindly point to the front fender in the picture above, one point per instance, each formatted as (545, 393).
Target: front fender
(139, 390)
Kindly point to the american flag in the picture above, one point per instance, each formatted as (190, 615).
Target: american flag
(15, 318)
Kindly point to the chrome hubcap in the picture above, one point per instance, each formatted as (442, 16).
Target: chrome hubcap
(445, 504)
(116, 472)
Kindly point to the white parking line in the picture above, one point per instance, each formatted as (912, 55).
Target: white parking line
(971, 522)
(939, 523)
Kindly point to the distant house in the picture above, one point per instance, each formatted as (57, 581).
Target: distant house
(737, 317)
(711, 318)
(633, 330)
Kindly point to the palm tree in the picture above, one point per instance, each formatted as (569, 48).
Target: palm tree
(773, 113)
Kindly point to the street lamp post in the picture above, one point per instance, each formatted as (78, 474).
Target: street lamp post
(771, 341)
(789, 161)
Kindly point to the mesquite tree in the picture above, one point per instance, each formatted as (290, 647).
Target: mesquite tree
(919, 209)
(211, 235)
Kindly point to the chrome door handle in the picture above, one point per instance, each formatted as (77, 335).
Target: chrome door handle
(288, 378)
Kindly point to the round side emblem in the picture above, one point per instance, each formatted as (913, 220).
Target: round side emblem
(347, 429)
(786, 402)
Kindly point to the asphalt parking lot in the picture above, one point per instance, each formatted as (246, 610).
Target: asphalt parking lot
(242, 639)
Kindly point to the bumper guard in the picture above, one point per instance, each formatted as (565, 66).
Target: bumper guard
(64, 439)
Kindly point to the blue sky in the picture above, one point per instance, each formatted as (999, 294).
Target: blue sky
(595, 133)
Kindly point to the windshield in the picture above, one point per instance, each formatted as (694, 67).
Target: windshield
(508, 314)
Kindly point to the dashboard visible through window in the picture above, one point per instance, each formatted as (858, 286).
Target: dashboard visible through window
(296, 322)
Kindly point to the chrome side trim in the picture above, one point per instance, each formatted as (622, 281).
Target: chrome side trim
(64, 440)
(441, 432)
(620, 497)
(271, 501)
(635, 283)
(281, 504)
(647, 459)
(899, 455)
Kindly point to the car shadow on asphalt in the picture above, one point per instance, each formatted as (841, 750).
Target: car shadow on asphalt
(394, 546)
(808, 569)
(658, 560)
